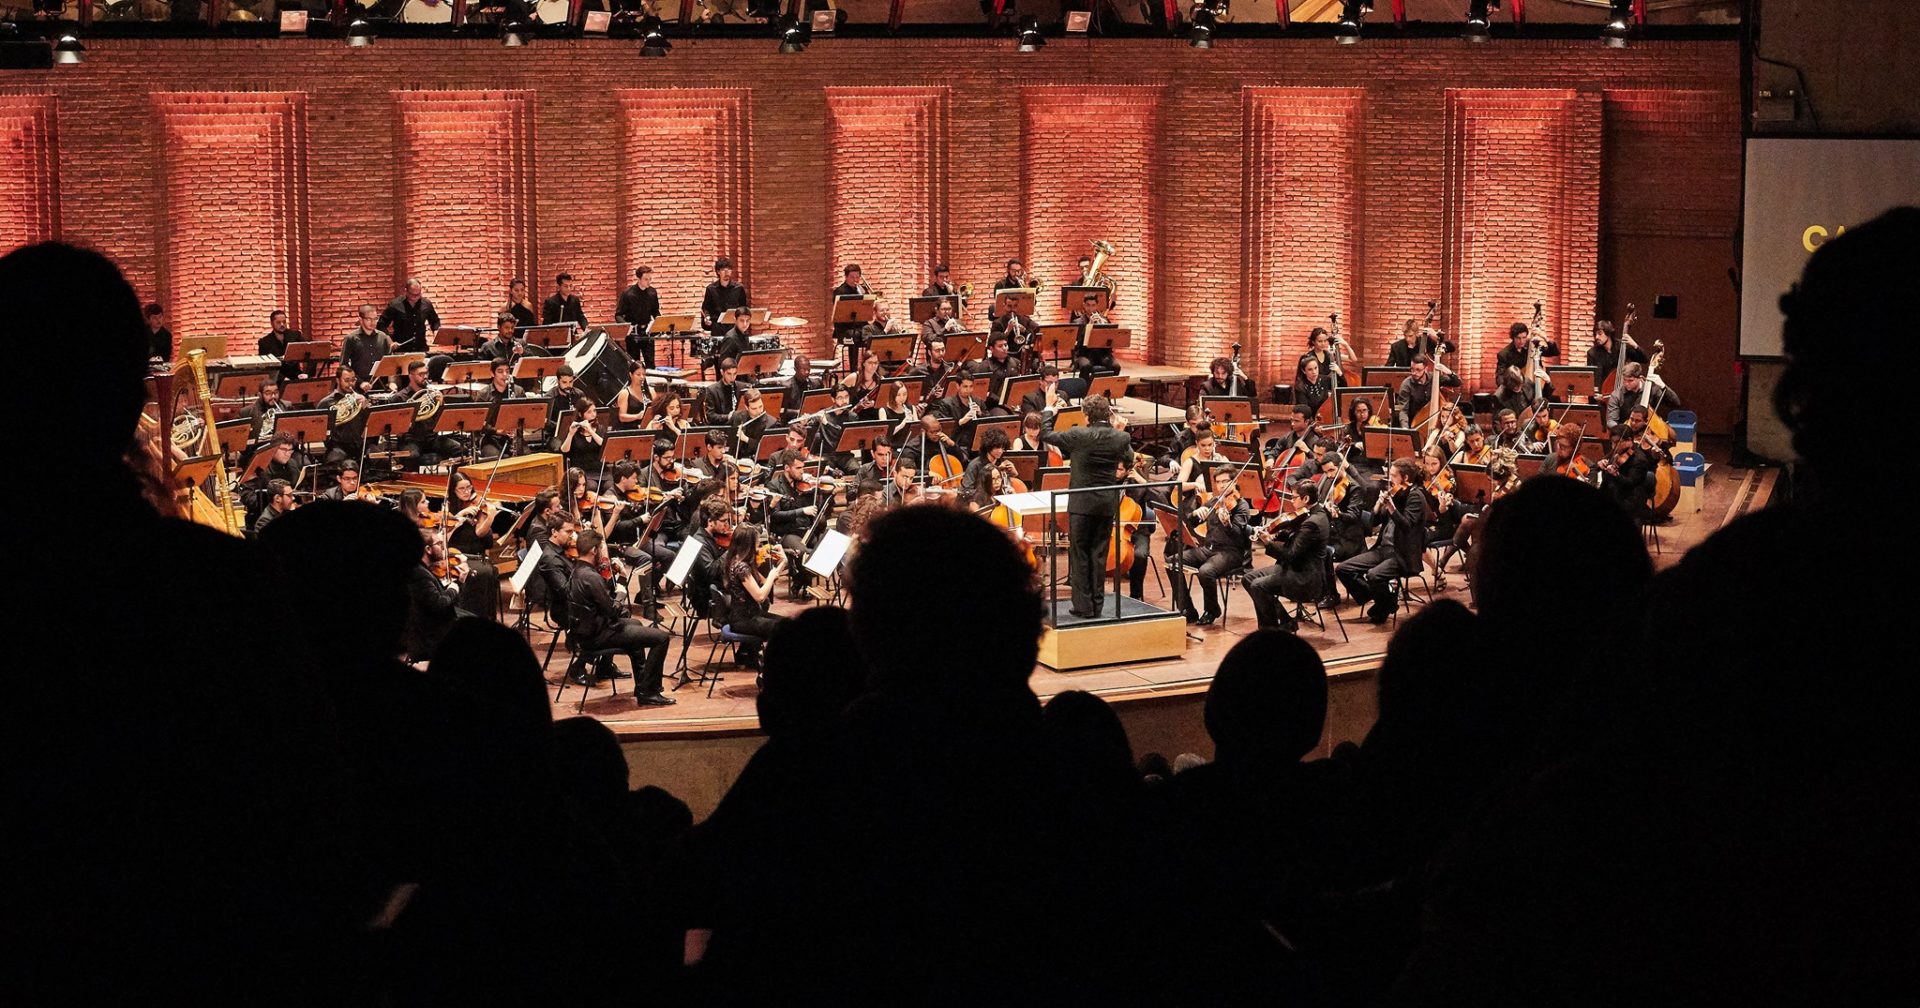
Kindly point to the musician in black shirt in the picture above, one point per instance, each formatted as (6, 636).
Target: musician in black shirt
(791, 513)
(1604, 354)
(722, 397)
(159, 337)
(1516, 352)
(793, 400)
(939, 287)
(736, 340)
(279, 500)
(1415, 341)
(410, 319)
(722, 296)
(364, 347)
(852, 286)
(564, 305)
(1221, 551)
(640, 305)
(520, 304)
(1417, 388)
(599, 625)
(275, 342)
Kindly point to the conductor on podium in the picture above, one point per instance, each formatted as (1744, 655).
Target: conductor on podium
(1094, 452)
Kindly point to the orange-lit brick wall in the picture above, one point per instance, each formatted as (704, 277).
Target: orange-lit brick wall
(29, 170)
(1250, 189)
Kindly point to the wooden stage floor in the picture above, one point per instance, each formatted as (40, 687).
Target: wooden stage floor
(730, 710)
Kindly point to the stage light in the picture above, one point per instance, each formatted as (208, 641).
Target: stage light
(654, 40)
(516, 34)
(795, 39)
(1346, 31)
(69, 50)
(1200, 36)
(1030, 40)
(1479, 13)
(1619, 26)
(359, 35)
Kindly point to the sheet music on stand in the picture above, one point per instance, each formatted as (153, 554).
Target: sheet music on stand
(528, 564)
(683, 561)
(828, 553)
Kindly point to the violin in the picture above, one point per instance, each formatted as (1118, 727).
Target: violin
(452, 565)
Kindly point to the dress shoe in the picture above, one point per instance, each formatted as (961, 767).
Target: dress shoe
(656, 700)
(614, 673)
(1079, 614)
(1192, 617)
(1207, 618)
(578, 677)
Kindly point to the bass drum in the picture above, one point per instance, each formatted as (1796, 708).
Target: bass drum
(599, 367)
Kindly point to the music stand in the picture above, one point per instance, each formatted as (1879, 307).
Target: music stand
(395, 365)
(256, 462)
(468, 373)
(861, 435)
(614, 331)
(1014, 388)
(1073, 298)
(462, 418)
(215, 347)
(920, 309)
(1590, 416)
(1343, 398)
(1383, 375)
(1575, 382)
(636, 445)
(1069, 418)
(311, 352)
(306, 391)
(692, 443)
(980, 427)
(239, 384)
(1107, 337)
(306, 426)
(1231, 410)
(1026, 464)
(232, 435)
(1389, 443)
(673, 325)
(757, 364)
(1527, 466)
(518, 416)
(1014, 301)
(1114, 387)
(772, 439)
(1593, 449)
(853, 309)
(537, 369)
(559, 334)
(1056, 340)
(892, 349)
(1472, 485)
(388, 420)
(463, 337)
(193, 472)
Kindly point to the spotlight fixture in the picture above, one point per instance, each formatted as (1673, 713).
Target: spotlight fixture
(653, 41)
(69, 50)
(1030, 40)
(1346, 31)
(1479, 14)
(796, 38)
(1619, 27)
(516, 34)
(359, 35)
(1200, 36)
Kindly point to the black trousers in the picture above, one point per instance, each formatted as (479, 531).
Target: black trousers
(795, 545)
(1369, 576)
(1087, 559)
(1265, 591)
(645, 648)
(1137, 574)
(1210, 566)
(761, 625)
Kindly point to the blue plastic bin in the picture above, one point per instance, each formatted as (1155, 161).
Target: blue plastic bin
(1684, 424)
(1690, 466)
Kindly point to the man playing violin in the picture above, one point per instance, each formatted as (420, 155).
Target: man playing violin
(1298, 544)
(791, 511)
(876, 474)
(749, 422)
(1627, 474)
(599, 625)
(1566, 459)
(1222, 548)
(1371, 576)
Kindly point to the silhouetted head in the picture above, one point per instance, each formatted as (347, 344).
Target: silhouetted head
(1852, 295)
(587, 763)
(492, 663)
(810, 673)
(934, 569)
(1268, 700)
(1422, 678)
(1556, 538)
(345, 565)
(53, 291)
(1085, 741)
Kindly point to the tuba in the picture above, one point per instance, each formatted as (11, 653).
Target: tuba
(1102, 251)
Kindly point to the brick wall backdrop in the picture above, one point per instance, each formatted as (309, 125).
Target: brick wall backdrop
(234, 211)
(1305, 224)
(1203, 167)
(29, 170)
(888, 183)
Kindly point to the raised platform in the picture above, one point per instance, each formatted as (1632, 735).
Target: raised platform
(1141, 632)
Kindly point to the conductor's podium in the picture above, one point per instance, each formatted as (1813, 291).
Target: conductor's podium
(1141, 632)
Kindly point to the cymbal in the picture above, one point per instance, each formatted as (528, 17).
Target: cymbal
(787, 322)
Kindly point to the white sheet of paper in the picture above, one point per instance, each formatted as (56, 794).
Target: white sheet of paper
(683, 561)
(827, 555)
(524, 573)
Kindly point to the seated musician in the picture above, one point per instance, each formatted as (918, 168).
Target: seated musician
(346, 483)
(262, 408)
(874, 476)
(1371, 577)
(1015, 279)
(1566, 459)
(791, 512)
(734, 342)
(984, 473)
(467, 520)
(1626, 395)
(1474, 449)
(1220, 379)
(748, 592)
(506, 342)
(433, 599)
(580, 442)
(1537, 430)
(1360, 416)
(1193, 466)
(277, 499)
(1032, 426)
(1505, 480)
(1299, 433)
(933, 358)
(1088, 313)
(1221, 551)
(749, 422)
(1637, 423)
(1299, 572)
(929, 441)
(1188, 433)
(793, 398)
(799, 440)
(862, 385)
(501, 388)
(962, 407)
(283, 463)
(1320, 351)
(562, 399)
(1627, 474)
(1605, 352)
(720, 399)
(993, 372)
(905, 487)
(547, 510)
(1507, 432)
(1311, 388)
(1517, 351)
(275, 343)
(1417, 388)
(942, 285)
(344, 441)
(1132, 477)
(1445, 510)
(555, 567)
(1514, 392)
(1049, 398)
(883, 324)
(599, 625)
(660, 489)
(824, 429)
(942, 323)
(1091, 361)
(1413, 342)
(1450, 433)
(714, 460)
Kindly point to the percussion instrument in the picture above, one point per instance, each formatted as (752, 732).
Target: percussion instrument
(599, 367)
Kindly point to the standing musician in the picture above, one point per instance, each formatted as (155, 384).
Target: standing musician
(1415, 341)
(599, 625)
(736, 340)
(263, 407)
(276, 341)
(1094, 452)
(748, 423)
(722, 296)
(748, 592)
(1299, 573)
(363, 348)
(1518, 349)
(1402, 508)
(410, 319)
(1626, 395)
(563, 305)
(1417, 388)
(640, 305)
(1320, 346)
(851, 286)
(1311, 388)
(942, 323)
(1627, 474)
(1605, 352)
(719, 399)
(1222, 549)
(277, 498)
(520, 304)
(1015, 279)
